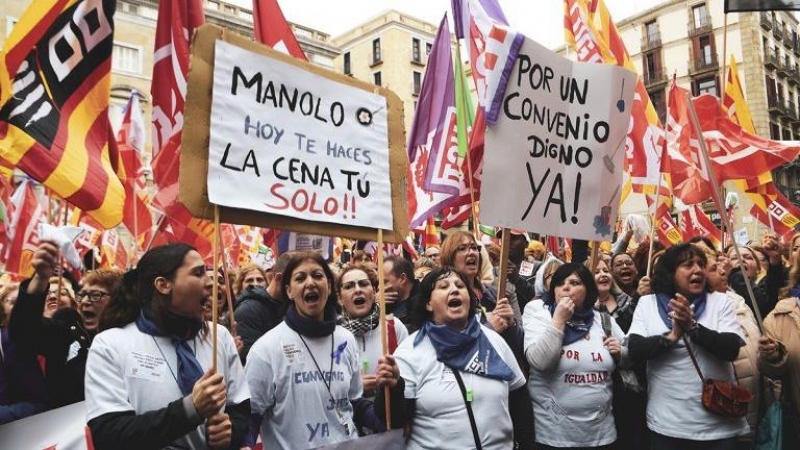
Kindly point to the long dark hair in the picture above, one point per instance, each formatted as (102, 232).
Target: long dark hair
(428, 284)
(137, 289)
(586, 276)
(663, 280)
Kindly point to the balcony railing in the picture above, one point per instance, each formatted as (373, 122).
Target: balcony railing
(777, 32)
(651, 41)
(783, 69)
(775, 104)
(700, 26)
(765, 20)
(655, 77)
(771, 61)
(703, 63)
(796, 47)
(791, 110)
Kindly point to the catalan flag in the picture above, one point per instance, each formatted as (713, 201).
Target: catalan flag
(55, 75)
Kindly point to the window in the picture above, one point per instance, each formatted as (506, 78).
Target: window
(774, 132)
(706, 55)
(787, 134)
(651, 28)
(706, 86)
(651, 66)
(126, 58)
(416, 50)
(428, 48)
(377, 78)
(700, 15)
(347, 69)
(376, 51)
(417, 82)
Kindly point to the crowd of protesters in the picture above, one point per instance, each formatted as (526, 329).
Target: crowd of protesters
(572, 352)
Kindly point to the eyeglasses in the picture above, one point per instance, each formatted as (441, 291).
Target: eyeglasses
(466, 248)
(362, 283)
(92, 297)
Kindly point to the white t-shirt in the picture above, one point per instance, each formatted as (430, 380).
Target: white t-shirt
(371, 348)
(572, 402)
(441, 419)
(287, 389)
(674, 406)
(128, 370)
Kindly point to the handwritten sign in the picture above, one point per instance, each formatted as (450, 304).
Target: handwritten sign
(553, 161)
(286, 141)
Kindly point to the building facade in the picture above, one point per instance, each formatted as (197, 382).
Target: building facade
(390, 50)
(689, 39)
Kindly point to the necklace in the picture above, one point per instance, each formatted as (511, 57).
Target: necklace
(328, 383)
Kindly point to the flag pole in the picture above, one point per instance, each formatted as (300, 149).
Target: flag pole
(135, 221)
(463, 105)
(505, 243)
(721, 207)
(215, 291)
(228, 294)
(384, 330)
(155, 231)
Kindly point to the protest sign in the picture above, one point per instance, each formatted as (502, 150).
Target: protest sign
(552, 162)
(281, 143)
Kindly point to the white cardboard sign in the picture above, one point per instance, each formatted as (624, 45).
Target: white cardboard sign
(286, 141)
(553, 161)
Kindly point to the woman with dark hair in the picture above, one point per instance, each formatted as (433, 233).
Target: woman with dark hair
(572, 355)
(361, 316)
(149, 377)
(304, 374)
(682, 313)
(452, 360)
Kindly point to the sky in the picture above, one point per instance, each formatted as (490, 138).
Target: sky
(541, 20)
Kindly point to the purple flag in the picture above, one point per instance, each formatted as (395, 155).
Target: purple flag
(493, 49)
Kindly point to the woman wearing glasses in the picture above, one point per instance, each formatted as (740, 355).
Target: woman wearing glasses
(360, 315)
(64, 337)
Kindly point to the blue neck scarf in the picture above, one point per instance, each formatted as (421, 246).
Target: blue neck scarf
(579, 325)
(189, 369)
(795, 292)
(469, 351)
(310, 327)
(698, 305)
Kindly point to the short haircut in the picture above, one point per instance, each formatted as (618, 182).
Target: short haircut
(371, 275)
(427, 286)
(110, 279)
(587, 278)
(401, 266)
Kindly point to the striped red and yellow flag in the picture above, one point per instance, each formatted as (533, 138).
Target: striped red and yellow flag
(55, 78)
(591, 32)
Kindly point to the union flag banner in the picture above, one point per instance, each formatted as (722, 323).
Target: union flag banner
(55, 75)
(776, 211)
(735, 153)
(24, 229)
(92, 232)
(591, 32)
(271, 28)
(130, 141)
(493, 48)
(695, 222)
(112, 252)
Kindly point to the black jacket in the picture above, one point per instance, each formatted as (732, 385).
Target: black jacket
(256, 313)
(62, 341)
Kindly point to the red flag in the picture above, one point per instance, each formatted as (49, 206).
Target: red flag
(431, 236)
(272, 29)
(55, 79)
(776, 211)
(734, 153)
(695, 222)
(24, 236)
(91, 235)
(461, 209)
(112, 252)
(130, 139)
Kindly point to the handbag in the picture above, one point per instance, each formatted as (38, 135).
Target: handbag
(719, 396)
(468, 403)
(626, 377)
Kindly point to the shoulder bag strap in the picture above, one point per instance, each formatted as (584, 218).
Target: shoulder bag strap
(694, 360)
(606, 321)
(472, 423)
